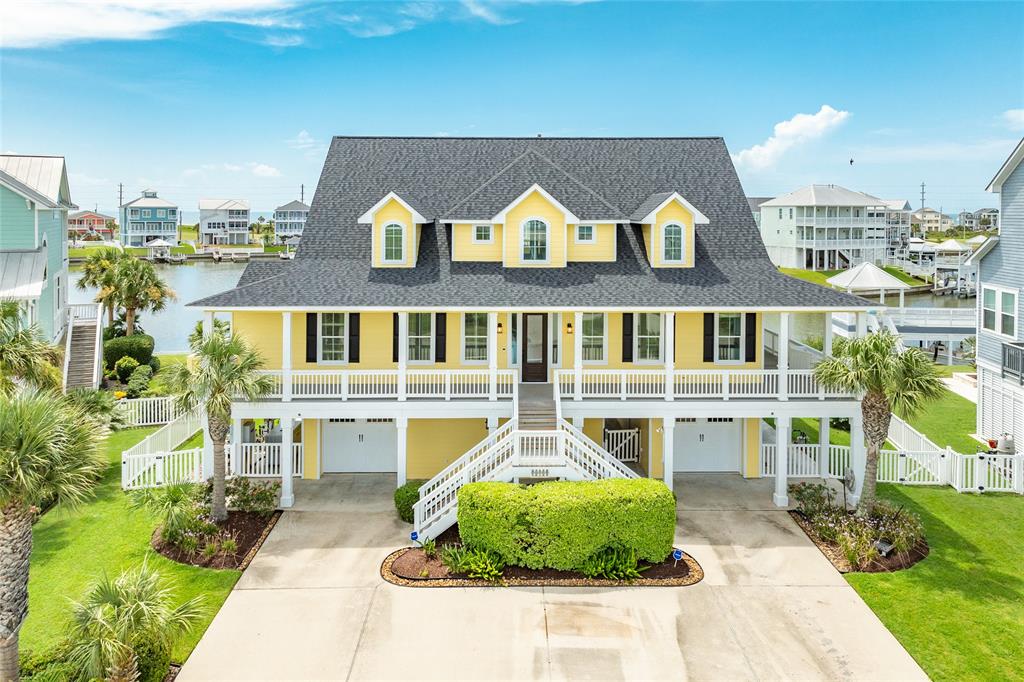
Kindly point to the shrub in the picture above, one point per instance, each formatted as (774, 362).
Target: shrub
(179, 511)
(138, 382)
(153, 660)
(429, 548)
(50, 665)
(455, 558)
(484, 565)
(247, 495)
(857, 542)
(896, 525)
(124, 367)
(154, 363)
(139, 347)
(561, 524)
(99, 405)
(812, 498)
(613, 564)
(405, 497)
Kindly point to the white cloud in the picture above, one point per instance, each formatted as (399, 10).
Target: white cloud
(45, 23)
(1013, 119)
(486, 12)
(788, 134)
(262, 170)
(283, 40)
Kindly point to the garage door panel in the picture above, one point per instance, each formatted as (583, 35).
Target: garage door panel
(708, 445)
(360, 446)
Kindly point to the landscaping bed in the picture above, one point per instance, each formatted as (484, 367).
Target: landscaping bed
(880, 564)
(247, 529)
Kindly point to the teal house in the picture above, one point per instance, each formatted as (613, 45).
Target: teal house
(34, 204)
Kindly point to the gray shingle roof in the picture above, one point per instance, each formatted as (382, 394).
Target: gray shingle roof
(650, 203)
(588, 175)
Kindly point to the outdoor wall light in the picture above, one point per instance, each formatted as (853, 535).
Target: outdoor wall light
(501, 328)
(568, 328)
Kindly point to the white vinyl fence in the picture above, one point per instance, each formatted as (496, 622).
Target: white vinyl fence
(154, 460)
(262, 460)
(623, 444)
(148, 411)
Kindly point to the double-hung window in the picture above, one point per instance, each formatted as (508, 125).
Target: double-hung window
(332, 337)
(729, 337)
(593, 337)
(648, 337)
(672, 243)
(482, 234)
(584, 234)
(421, 337)
(999, 311)
(535, 241)
(394, 243)
(474, 337)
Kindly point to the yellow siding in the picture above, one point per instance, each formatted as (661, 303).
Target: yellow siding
(645, 444)
(674, 212)
(465, 249)
(535, 206)
(657, 468)
(311, 448)
(752, 454)
(690, 344)
(594, 430)
(390, 212)
(262, 330)
(433, 444)
(602, 250)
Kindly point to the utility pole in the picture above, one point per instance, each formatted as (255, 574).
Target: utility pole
(120, 194)
(922, 196)
(302, 193)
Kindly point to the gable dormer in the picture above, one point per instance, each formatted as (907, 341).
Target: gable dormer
(667, 221)
(395, 232)
(535, 230)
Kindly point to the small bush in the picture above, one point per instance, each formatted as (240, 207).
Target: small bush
(612, 564)
(229, 546)
(405, 497)
(154, 660)
(139, 347)
(154, 363)
(138, 382)
(124, 367)
(857, 542)
(812, 498)
(455, 558)
(179, 510)
(896, 525)
(484, 564)
(50, 665)
(247, 495)
(429, 548)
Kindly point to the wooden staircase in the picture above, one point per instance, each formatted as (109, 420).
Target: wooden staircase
(83, 344)
(536, 408)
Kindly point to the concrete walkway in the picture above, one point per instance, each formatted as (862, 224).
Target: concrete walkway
(313, 606)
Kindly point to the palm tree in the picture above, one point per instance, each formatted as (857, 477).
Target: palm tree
(116, 616)
(138, 287)
(224, 368)
(98, 272)
(49, 451)
(892, 379)
(24, 354)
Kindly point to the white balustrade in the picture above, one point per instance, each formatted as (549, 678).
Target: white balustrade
(623, 444)
(148, 411)
(443, 384)
(262, 460)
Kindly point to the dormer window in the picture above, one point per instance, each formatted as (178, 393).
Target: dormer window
(672, 243)
(394, 243)
(482, 234)
(535, 235)
(584, 234)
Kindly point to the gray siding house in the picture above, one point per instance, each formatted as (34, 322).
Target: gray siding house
(1000, 350)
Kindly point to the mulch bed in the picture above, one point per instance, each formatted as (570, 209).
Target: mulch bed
(832, 552)
(247, 528)
(405, 567)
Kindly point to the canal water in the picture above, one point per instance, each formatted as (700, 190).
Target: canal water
(190, 281)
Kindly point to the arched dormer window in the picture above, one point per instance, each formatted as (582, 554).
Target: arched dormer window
(672, 243)
(535, 235)
(394, 243)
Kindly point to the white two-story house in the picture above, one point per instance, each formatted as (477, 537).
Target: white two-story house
(223, 221)
(290, 220)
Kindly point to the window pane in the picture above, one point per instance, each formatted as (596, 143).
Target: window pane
(673, 243)
(728, 349)
(393, 243)
(1009, 302)
(332, 337)
(989, 298)
(419, 336)
(475, 336)
(729, 325)
(593, 336)
(1008, 325)
(988, 319)
(483, 233)
(535, 246)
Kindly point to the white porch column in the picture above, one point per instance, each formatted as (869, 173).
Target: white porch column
(577, 356)
(783, 434)
(783, 356)
(858, 454)
(862, 325)
(402, 424)
(825, 441)
(403, 351)
(207, 323)
(578, 422)
(286, 355)
(668, 429)
(670, 355)
(828, 334)
(949, 351)
(492, 353)
(492, 425)
(902, 291)
(287, 475)
(236, 445)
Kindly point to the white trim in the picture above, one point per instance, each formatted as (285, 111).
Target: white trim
(554, 323)
(604, 340)
(384, 243)
(636, 340)
(1006, 170)
(319, 339)
(593, 234)
(985, 247)
(368, 216)
(547, 241)
(698, 217)
(742, 337)
(503, 214)
(682, 242)
(999, 291)
(867, 308)
(490, 233)
(462, 341)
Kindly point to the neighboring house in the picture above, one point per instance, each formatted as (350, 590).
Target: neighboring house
(90, 222)
(930, 220)
(290, 219)
(448, 285)
(1000, 346)
(827, 227)
(34, 203)
(987, 218)
(223, 221)
(967, 220)
(755, 207)
(147, 218)
(897, 227)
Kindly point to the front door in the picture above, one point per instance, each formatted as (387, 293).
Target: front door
(535, 350)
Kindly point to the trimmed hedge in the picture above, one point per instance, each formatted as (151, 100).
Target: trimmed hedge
(561, 524)
(137, 346)
(405, 497)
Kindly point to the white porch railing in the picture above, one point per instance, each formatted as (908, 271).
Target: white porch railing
(623, 444)
(938, 318)
(443, 384)
(154, 460)
(148, 411)
(624, 384)
(262, 460)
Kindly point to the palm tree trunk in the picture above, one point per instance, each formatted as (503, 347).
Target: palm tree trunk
(877, 415)
(110, 313)
(218, 504)
(129, 321)
(15, 550)
(125, 668)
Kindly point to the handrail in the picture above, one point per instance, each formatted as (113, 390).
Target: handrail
(97, 370)
(597, 451)
(67, 351)
(466, 458)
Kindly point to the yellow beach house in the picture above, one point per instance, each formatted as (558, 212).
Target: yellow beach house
(527, 308)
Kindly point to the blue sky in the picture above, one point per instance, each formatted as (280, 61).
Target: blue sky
(239, 98)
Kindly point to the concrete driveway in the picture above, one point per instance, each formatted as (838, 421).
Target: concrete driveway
(313, 606)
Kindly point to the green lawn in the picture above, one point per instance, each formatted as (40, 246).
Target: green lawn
(83, 251)
(949, 421)
(821, 276)
(959, 611)
(188, 232)
(158, 384)
(950, 370)
(73, 548)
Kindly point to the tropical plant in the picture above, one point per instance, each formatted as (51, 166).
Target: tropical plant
(121, 618)
(224, 369)
(98, 272)
(220, 327)
(891, 379)
(101, 405)
(120, 327)
(138, 288)
(49, 452)
(176, 506)
(24, 354)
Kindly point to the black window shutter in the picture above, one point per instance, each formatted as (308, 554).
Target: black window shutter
(751, 340)
(394, 337)
(627, 337)
(311, 333)
(353, 337)
(440, 334)
(709, 337)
